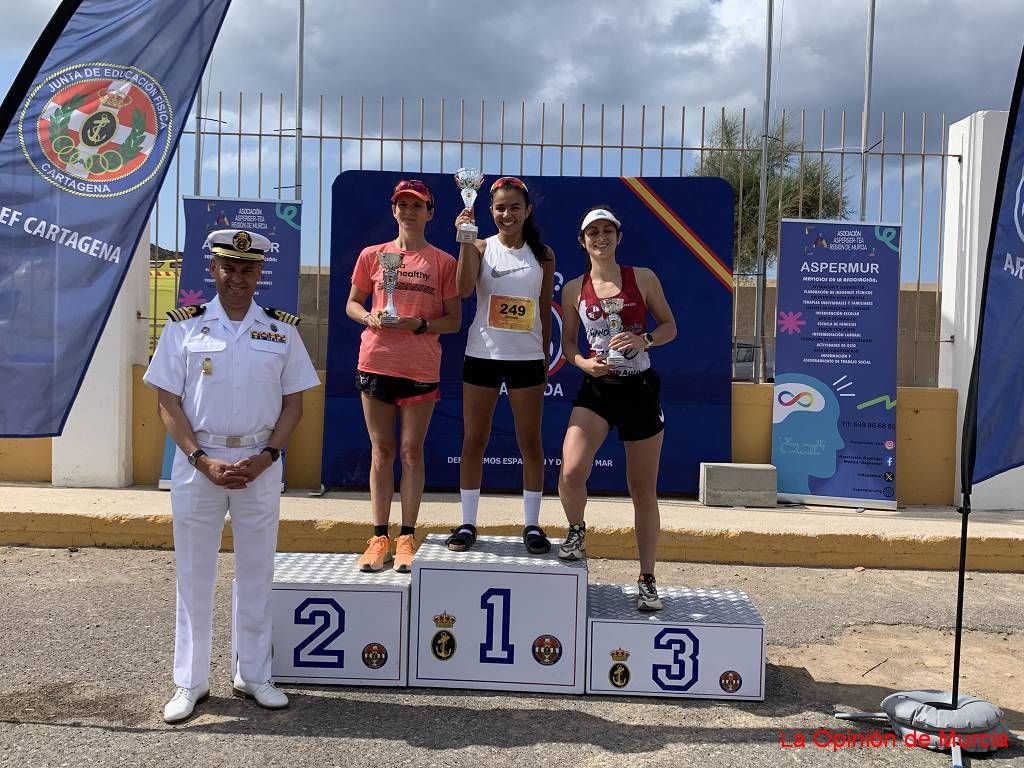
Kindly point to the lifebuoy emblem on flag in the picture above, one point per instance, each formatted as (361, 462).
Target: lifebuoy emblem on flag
(97, 129)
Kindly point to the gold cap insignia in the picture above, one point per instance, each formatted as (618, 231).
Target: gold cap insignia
(620, 654)
(241, 241)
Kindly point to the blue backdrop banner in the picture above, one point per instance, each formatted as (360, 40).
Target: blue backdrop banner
(81, 162)
(833, 409)
(280, 221)
(680, 227)
(994, 419)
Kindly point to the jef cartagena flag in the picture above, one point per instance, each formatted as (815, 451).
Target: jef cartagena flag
(86, 135)
(993, 434)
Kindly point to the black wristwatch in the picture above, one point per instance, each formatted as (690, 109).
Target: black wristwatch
(193, 458)
(648, 340)
(275, 453)
(422, 328)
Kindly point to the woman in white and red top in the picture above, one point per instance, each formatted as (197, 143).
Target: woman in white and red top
(400, 363)
(513, 274)
(621, 393)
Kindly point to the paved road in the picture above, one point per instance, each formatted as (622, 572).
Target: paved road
(85, 643)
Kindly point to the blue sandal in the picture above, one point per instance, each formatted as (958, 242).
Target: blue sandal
(462, 538)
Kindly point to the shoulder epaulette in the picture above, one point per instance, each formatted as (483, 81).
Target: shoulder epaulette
(284, 317)
(184, 313)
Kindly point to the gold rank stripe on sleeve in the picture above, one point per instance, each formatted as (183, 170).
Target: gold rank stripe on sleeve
(284, 317)
(184, 313)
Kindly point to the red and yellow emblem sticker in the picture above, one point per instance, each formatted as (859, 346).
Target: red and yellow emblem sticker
(97, 129)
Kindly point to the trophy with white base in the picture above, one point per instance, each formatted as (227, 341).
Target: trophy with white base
(468, 181)
(611, 308)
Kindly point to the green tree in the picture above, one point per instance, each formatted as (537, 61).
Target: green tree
(810, 189)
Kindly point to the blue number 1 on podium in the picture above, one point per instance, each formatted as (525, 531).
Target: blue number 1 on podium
(488, 653)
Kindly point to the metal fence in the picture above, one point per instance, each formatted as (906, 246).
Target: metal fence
(247, 148)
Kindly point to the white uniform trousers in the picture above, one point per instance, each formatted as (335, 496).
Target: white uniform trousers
(198, 508)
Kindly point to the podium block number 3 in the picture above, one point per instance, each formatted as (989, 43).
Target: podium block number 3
(497, 603)
(681, 674)
(329, 619)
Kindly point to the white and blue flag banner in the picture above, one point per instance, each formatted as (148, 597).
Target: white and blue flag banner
(86, 134)
(993, 435)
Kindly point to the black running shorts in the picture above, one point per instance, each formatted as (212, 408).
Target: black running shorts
(517, 374)
(396, 390)
(629, 403)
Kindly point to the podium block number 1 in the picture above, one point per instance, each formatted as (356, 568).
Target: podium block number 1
(498, 604)
(328, 617)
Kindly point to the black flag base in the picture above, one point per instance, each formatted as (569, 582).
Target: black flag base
(927, 719)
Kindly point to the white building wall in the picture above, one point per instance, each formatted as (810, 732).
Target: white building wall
(95, 449)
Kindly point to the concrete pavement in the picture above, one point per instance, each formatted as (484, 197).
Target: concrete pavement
(910, 537)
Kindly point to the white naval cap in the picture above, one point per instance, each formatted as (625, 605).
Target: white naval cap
(599, 213)
(237, 244)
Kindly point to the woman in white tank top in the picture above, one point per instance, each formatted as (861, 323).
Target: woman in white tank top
(512, 274)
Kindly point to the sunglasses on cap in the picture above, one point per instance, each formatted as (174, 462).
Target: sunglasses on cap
(509, 181)
(413, 186)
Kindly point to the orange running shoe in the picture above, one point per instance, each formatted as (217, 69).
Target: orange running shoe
(405, 548)
(378, 552)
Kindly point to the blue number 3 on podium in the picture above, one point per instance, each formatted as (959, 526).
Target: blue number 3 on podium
(328, 615)
(681, 674)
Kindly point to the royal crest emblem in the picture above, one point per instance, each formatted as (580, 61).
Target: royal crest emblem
(547, 650)
(96, 129)
(375, 655)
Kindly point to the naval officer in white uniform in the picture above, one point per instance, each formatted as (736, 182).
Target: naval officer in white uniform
(230, 376)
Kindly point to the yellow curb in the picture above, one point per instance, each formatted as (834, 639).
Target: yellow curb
(676, 545)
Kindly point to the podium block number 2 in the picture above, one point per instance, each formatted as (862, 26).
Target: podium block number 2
(681, 674)
(329, 619)
(497, 603)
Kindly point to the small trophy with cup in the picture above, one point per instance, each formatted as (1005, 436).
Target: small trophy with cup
(611, 308)
(468, 181)
(390, 262)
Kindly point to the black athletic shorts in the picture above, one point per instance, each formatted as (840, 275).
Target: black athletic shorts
(396, 390)
(627, 402)
(517, 374)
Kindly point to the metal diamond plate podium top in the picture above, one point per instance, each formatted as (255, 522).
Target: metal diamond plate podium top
(330, 568)
(682, 605)
(493, 550)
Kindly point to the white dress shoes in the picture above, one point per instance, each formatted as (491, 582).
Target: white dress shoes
(183, 702)
(265, 694)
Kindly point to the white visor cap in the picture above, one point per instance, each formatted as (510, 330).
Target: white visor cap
(599, 213)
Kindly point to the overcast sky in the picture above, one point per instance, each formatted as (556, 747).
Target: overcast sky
(952, 56)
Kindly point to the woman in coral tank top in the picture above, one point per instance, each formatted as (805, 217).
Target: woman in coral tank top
(400, 363)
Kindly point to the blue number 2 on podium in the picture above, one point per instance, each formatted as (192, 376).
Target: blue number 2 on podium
(488, 653)
(327, 614)
(681, 674)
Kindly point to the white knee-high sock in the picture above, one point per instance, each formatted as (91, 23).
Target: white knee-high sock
(531, 506)
(470, 503)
